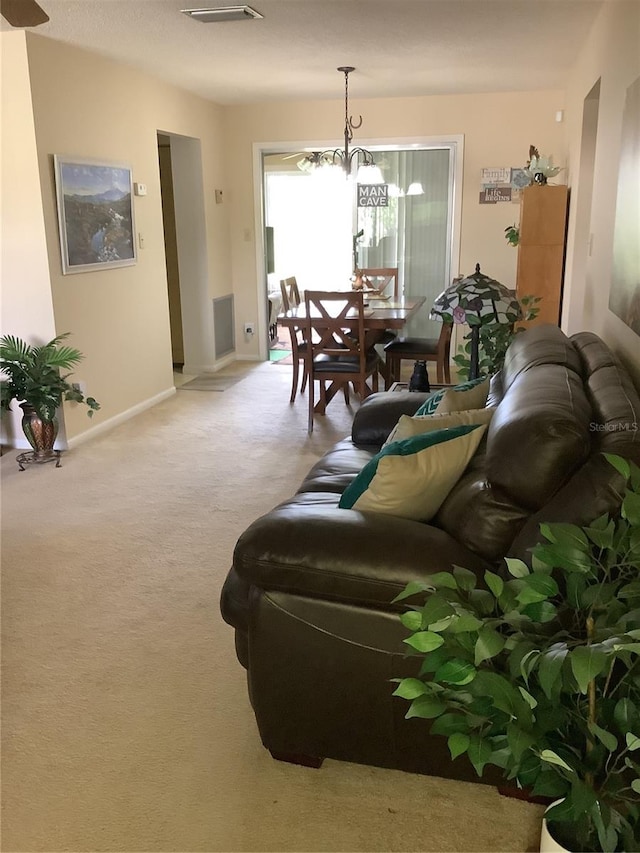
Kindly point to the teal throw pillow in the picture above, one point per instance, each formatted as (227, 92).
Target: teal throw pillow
(412, 477)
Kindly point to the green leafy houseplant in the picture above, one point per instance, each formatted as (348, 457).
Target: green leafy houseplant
(31, 375)
(538, 671)
(495, 339)
(512, 235)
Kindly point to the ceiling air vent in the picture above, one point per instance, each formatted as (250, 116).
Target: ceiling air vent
(222, 13)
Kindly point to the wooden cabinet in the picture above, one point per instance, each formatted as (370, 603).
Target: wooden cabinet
(543, 227)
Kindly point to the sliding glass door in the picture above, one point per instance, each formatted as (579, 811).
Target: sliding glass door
(315, 216)
(311, 215)
(414, 232)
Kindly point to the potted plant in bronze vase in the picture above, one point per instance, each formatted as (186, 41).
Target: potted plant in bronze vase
(31, 376)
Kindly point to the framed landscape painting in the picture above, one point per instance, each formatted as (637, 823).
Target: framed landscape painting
(95, 214)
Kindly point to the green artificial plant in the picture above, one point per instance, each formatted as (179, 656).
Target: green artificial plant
(536, 670)
(512, 235)
(31, 375)
(495, 339)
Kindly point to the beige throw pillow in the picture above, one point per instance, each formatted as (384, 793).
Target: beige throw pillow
(408, 426)
(460, 401)
(412, 478)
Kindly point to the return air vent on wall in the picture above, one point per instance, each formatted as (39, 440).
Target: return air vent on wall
(222, 13)
(223, 325)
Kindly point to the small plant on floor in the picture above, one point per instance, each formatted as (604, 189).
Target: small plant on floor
(537, 671)
(494, 341)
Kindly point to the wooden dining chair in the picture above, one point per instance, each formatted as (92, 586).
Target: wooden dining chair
(384, 279)
(290, 293)
(291, 299)
(419, 349)
(338, 351)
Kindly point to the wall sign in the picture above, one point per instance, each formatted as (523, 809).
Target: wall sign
(495, 195)
(373, 195)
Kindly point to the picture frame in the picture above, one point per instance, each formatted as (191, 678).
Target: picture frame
(95, 214)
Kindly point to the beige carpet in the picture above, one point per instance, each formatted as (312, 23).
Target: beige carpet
(209, 382)
(125, 719)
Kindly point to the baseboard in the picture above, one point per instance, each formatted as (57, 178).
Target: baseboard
(109, 424)
(199, 369)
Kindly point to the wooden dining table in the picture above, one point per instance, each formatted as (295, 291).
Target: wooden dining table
(380, 315)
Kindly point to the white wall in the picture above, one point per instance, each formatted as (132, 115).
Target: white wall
(96, 109)
(611, 54)
(497, 128)
(26, 307)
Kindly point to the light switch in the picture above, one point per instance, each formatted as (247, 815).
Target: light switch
(218, 196)
(140, 189)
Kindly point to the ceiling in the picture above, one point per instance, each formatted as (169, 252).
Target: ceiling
(399, 47)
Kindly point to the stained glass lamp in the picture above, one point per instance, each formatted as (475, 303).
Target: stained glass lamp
(478, 301)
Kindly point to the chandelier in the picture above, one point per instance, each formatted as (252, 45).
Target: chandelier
(341, 156)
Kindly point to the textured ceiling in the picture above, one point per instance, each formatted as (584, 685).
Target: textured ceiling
(399, 47)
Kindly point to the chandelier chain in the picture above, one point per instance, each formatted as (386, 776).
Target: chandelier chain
(342, 157)
(349, 124)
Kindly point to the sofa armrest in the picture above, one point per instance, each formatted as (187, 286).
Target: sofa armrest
(380, 412)
(344, 555)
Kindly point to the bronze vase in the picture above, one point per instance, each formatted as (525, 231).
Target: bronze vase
(40, 434)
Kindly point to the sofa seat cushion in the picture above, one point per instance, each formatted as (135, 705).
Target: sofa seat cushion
(310, 547)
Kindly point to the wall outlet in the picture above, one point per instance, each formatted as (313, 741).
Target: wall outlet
(249, 329)
(80, 386)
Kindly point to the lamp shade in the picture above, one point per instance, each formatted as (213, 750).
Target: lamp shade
(477, 300)
(481, 302)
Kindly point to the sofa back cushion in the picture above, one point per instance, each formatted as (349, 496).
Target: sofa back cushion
(539, 435)
(543, 344)
(615, 428)
(614, 399)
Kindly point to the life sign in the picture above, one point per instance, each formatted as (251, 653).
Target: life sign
(373, 195)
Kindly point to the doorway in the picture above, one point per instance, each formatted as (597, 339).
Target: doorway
(191, 308)
(316, 224)
(171, 251)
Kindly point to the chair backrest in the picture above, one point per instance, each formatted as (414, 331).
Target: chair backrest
(383, 279)
(290, 293)
(444, 342)
(335, 325)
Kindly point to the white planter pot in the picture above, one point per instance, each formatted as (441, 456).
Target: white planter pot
(548, 844)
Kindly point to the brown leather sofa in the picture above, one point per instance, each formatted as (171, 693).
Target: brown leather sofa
(310, 590)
